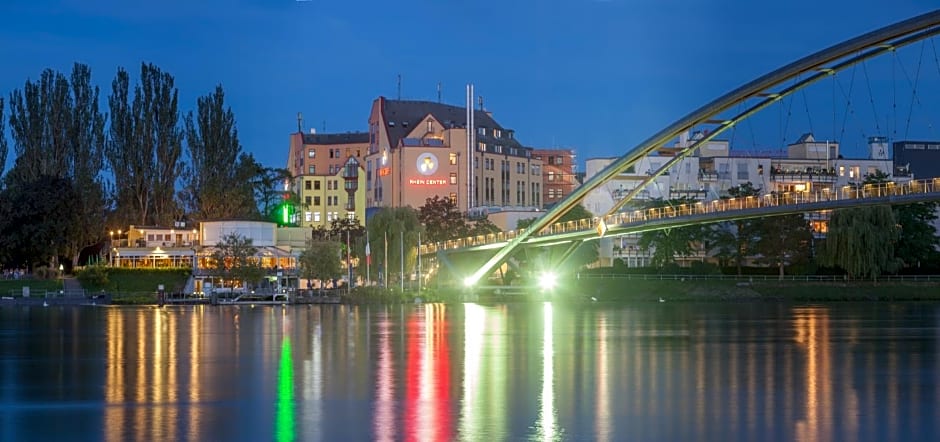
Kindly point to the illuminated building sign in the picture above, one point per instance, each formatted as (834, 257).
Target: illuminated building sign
(385, 171)
(426, 164)
(426, 182)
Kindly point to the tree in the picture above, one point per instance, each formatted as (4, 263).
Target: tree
(234, 258)
(784, 240)
(735, 240)
(320, 261)
(400, 226)
(86, 136)
(145, 147)
(861, 241)
(340, 227)
(442, 220)
(918, 239)
(59, 132)
(669, 243)
(36, 218)
(267, 184)
(212, 186)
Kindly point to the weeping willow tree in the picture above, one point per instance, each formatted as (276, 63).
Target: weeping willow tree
(861, 241)
(393, 233)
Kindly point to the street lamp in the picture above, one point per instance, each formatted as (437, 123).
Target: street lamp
(111, 246)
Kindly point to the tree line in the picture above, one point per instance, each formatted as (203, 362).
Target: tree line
(79, 167)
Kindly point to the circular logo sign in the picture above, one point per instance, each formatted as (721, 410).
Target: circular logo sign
(427, 164)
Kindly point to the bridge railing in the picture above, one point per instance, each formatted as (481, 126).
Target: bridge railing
(851, 192)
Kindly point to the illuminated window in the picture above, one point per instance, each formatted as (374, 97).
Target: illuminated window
(453, 177)
(311, 153)
(453, 198)
(453, 157)
(308, 216)
(841, 170)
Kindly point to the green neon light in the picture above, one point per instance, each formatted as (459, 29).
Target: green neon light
(285, 216)
(284, 424)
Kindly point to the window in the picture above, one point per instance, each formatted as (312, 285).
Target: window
(316, 185)
(559, 160)
(307, 185)
(497, 133)
(481, 146)
(308, 216)
(742, 171)
(311, 153)
(841, 170)
(453, 177)
(453, 157)
(453, 198)
(551, 175)
(481, 131)
(316, 217)
(316, 201)
(308, 200)
(312, 170)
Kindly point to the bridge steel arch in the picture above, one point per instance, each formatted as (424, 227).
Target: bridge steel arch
(875, 43)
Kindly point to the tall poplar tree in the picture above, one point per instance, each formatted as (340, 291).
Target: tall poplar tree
(58, 133)
(145, 147)
(40, 117)
(216, 184)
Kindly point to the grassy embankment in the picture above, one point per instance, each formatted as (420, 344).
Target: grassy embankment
(133, 286)
(37, 287)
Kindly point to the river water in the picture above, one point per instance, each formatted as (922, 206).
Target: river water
(475, 372)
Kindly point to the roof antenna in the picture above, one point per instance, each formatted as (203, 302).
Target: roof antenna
(438, 91)
(481, 102)
(300, 122)
(399, 86)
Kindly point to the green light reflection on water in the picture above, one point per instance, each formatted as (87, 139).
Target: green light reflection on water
(284, 424)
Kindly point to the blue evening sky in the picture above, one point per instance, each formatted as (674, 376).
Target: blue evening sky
(594, 75)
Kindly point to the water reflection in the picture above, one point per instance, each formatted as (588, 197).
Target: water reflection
(471, 372)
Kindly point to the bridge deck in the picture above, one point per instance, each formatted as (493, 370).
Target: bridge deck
(707, 212)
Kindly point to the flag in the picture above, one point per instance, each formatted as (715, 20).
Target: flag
(368, 254)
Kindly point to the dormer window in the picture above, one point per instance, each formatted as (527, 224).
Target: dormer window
(430, 126)
(497, 133)
(481, 131)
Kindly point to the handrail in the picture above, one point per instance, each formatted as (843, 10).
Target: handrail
(845, 193)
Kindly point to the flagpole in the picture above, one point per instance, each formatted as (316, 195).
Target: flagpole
(368, 261)
(385, 279)
(419, 261)
(401, 244)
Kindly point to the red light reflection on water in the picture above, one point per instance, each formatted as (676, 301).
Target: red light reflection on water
(427, 393)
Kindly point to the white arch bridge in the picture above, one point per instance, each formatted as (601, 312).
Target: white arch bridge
(716, 118)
